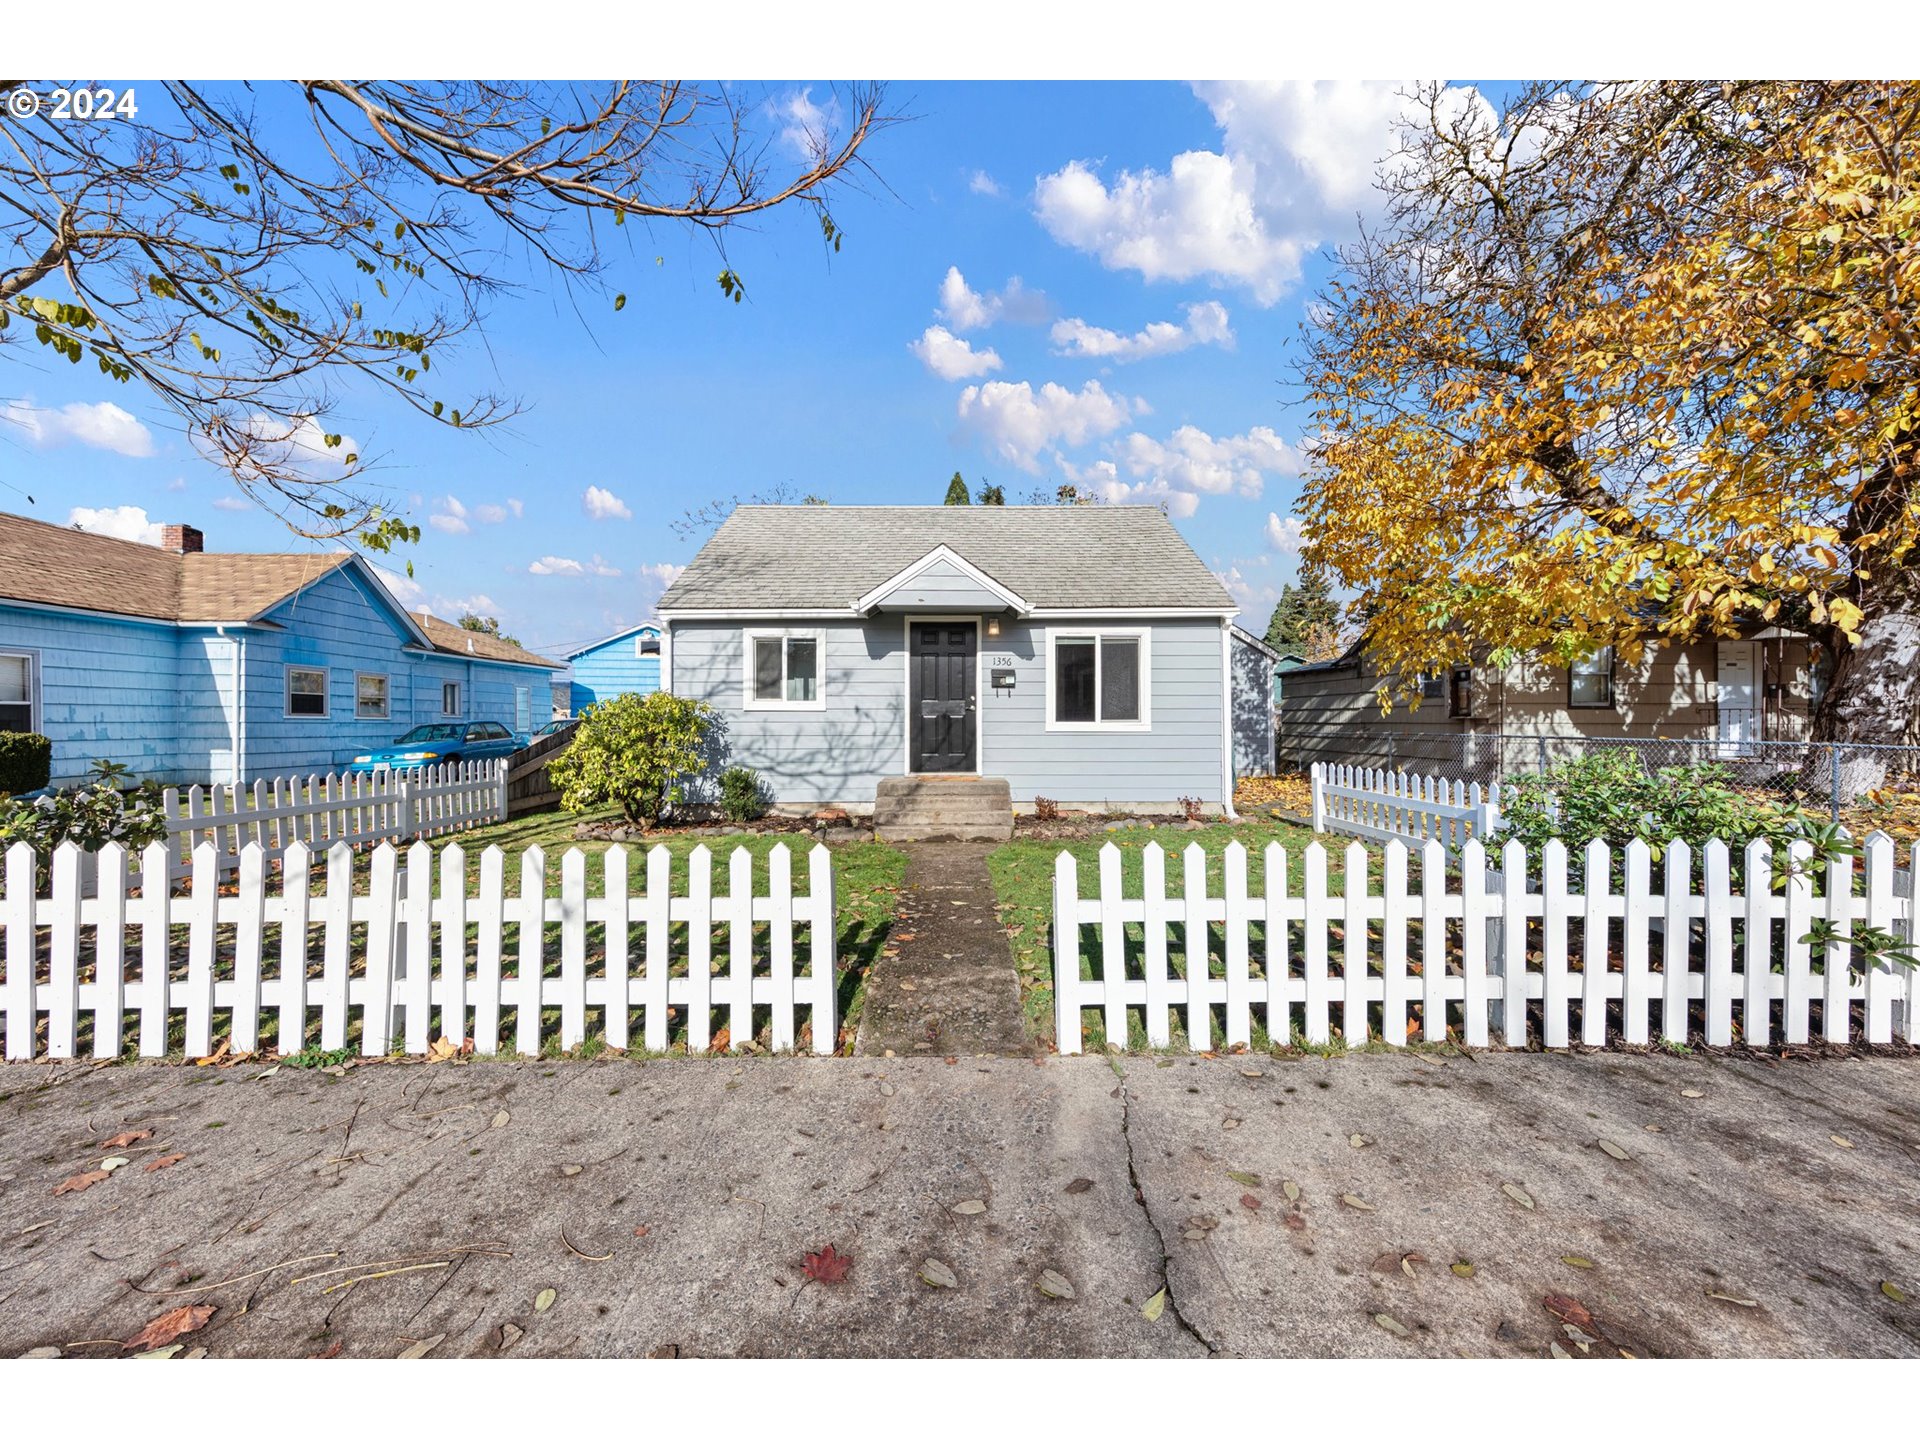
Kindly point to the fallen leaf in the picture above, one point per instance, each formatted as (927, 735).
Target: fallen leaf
(1294, 1220)
(215, 1058)
(1694, 1094)
(1568, 1311)
(509, 1335)
(1517, 1195)
(1359, 1142)
(1244, 1177)
(441, 1049)
(126, 1138)
(1391, 1326)
(1250, 1202)
(1079, 1186)
(74, 1183)
(938, 1275)
(1841, 1141)
(420, 1347)
(113, 1163)
(1232, 1122)
(544, 1300)
(1558, 1351)
(170, 1326)
(1733, 1299)
(1290, 1190)
(1893, 1292)
(1156, 1304)
(164, 1161)
(1356, 1203)
(500, 1120)
(1254, 1074)
(1462, 1268)
(1055, 1286)
(640, 1230)
(886, 1088)
(332, 1352)
(970, 1207)
(42, 1352)
(1579, 1262)
(1614, 1150)
(826, 1265)
(571, 1169)
(1409, 1260)
(165, 1352)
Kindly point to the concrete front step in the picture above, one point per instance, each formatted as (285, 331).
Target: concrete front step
(921, 807)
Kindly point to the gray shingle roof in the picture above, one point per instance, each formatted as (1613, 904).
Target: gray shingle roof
(824, 557)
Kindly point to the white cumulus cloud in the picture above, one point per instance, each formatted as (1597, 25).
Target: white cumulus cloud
(451, 518)
(104, 426)
(123, 522)
(952, 358)
(1191, 461)
(561, 565)
(1285, 535)
(1295, 170)
(1206, 324)
(805, 128)
(1017, 422)
(965, 308)
(605, 505)
(982, 183)
(661, 574)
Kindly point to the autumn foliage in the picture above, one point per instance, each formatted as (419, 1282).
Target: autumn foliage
(1630, 363)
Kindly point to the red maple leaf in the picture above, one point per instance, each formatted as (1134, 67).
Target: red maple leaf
(170, 1326)
(126, 1138)
(81, 1181)
(826, 1265)
(165, 1160)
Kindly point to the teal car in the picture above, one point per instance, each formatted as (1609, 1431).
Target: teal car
(440, 744)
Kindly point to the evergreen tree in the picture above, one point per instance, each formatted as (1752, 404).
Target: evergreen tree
(957, 491)
(990, 495)
(1306, 621)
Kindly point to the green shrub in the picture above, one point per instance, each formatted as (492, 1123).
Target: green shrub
(89, 815)
(742, 797)
(634, 751)
(26, 761)
(1609, 795)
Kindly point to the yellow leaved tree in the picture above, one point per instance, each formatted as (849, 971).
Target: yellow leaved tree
(1630, 363)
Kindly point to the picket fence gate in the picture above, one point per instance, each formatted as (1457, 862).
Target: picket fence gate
(1393, 805)
(357, 807)
(376, 952)
(1479, 952)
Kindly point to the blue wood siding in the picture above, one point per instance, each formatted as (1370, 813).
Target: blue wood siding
(838, 754)
(615, 667)
(160, 699)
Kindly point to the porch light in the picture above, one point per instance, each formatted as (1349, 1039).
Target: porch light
(993, 627)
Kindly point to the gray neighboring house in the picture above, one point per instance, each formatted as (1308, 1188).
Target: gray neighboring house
(1080, 653)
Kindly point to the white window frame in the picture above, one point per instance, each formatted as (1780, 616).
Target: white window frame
(326, 691)
(386, 694)
(1610, 674)
(32, 657)
(1097, 633)
(459, 700)
(747, 640)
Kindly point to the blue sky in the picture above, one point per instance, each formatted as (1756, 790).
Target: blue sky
(1090, 281)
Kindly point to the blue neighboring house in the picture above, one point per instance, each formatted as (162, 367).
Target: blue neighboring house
(624, 664)
(194, 667)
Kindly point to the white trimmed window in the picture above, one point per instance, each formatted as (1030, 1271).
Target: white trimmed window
(647, 645)
(450, 697)
(1098, 680)
(370, 697)
(784, 670)
(16, 691)
(306, 692)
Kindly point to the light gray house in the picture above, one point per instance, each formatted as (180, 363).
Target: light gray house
(1083, 654)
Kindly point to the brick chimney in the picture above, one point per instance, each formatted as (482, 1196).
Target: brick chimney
(181, 539)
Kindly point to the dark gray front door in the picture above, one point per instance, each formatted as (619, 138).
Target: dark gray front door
(942, 662)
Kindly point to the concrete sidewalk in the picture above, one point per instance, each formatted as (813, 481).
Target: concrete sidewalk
(1401, 1206)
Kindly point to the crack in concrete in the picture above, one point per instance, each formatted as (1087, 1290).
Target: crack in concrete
(1140, 1198)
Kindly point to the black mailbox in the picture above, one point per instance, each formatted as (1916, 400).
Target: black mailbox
(1002, 679)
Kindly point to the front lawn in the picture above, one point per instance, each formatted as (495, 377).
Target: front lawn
(1023, 885)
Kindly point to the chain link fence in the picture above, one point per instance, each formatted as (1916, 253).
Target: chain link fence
(1864, 786)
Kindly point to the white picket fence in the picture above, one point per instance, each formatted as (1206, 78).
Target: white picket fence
(407, 954)
(1476, 952)
(1392, 805)
(359, 808)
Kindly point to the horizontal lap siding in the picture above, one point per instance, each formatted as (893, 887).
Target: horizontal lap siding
(944, 588)
(835, 755)
(1179, 755)
(1252, 711)
(615, 668)
(107, 690)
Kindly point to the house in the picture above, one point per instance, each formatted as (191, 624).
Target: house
(1721, 695)
(627, 663)
(189, 666)
(1083, 654)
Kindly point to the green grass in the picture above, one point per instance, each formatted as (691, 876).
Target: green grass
(1022, 873)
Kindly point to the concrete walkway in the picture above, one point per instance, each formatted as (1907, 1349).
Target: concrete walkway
(949, 987)
(1362, 1205)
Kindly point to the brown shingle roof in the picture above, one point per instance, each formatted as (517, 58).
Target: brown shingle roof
(457, 641)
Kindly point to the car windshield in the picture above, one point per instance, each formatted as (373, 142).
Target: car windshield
(422, 733)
